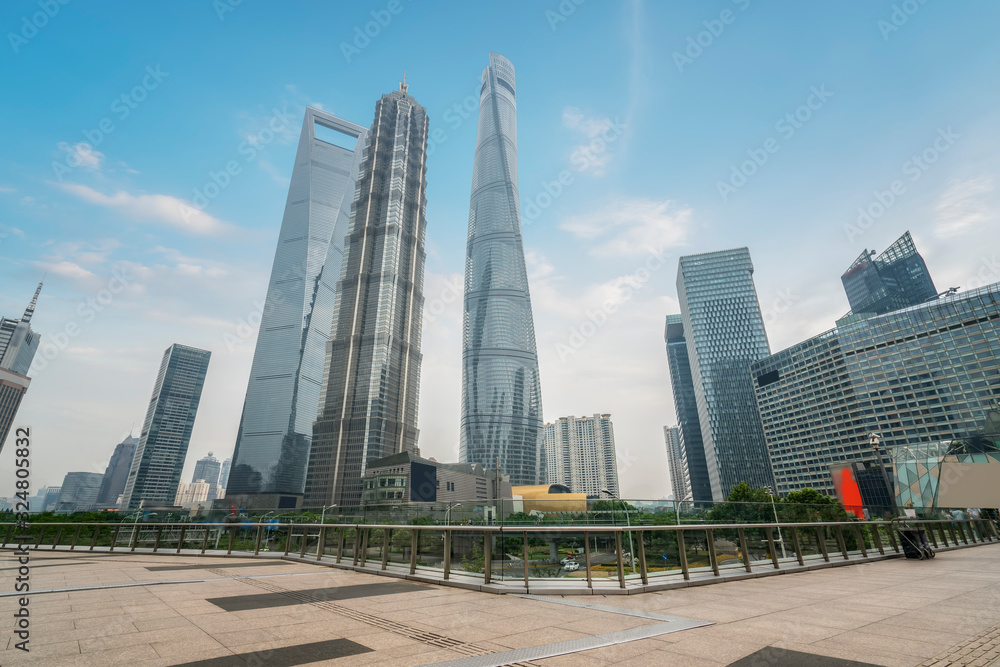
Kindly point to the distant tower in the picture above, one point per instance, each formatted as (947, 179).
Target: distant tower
(283, 393)
(680, 479)
(166, 432)
(116, 474)
(372, 376)
(18, 342)
(501, 394)
(224, 473)
(724, 331)
(692, 447)
(207, 469)
(581, 454)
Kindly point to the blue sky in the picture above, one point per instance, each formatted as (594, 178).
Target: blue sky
(643, 110)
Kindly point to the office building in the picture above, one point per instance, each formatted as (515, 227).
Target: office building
(166, 432)
(224, 473)
(405, 477)
(501, 394)
(283, 393)
(725, 333)
(923, 374)
(686, 406)
(207, 469)
(372, 376)
(896, 279)
(51, 497)
(194, 492)
(12, 390)
(18, 343)
(580, 454)
(680, 478)
(116, 474)
(78, 492)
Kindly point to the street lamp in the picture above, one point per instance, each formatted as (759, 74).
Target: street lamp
(781, 539)
(874, 439)
(677, 505)
(322, 516)
(448, 512)
(631, 550)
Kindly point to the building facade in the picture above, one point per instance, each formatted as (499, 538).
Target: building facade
(196, 491)
(78, 492)
(680, 478)
(724, 330)
(501, 393)
(18, 343)
(12, 390)
(686, 406)
(166, 432)
(896, 279)
(404, 477)
(283, 393)
(208, 469)
(224, 473)
(920, 375)
(116, 474)
(372, 378)
(581, 454)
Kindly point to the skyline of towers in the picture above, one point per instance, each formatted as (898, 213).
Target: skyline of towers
(724, 331)
(581, 454)
(283, 392)
(166, 431)
(692, 445)
(501, 394)
(371, 379)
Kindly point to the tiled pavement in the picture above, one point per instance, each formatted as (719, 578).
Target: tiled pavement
(940, 612)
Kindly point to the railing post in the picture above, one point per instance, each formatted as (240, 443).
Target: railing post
(180, 542)
(972, 531)
(447, 554)
(204, 542)
(288, 538)
(487, 556)
(877, 538)
(232, 538)
(954, 537)
(415, 543)
(821, 532)
(682, 554)
(930, 533)
(41, 534)
(321, 545)
(305, 534)
(385, 547)
(743, 549)
(156, 542)
(586, 555)
(771, 547)
(944, 534)
(93, 541)
(643, 573)
(712, 556)
(621, 564)
(526, 554)
(357, 546)
(796, 545)
(842, 542)
(892, 537)
(59, 533)
(114, 538)
(256, 544)
(76, 536)
(861, 541)
(341, 533)
(10, 531)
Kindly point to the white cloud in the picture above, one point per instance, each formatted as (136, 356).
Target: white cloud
(593, 155)
(67, 269)
(165, 209)
(963, 206)
(4, 188)
(82, 155)
(633, 227)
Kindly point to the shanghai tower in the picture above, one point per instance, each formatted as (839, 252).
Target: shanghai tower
(501, 398)
(368, 407)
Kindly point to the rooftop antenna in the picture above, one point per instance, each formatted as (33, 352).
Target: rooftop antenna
(30, 310)
(402, 84)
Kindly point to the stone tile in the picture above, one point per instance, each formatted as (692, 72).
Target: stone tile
(539, 637)
(186, 649)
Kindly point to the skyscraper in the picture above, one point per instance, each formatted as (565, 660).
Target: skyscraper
(116, 474)
(680, 478)
(78, 492)
(372, 375)
(725, 334)
(207, 469)
(224, 473)
(898, 278)
(283, 394)
(581, 454)
(18, 342)
(501, 396)
(166, 431)
(12, 390)
(686, 406)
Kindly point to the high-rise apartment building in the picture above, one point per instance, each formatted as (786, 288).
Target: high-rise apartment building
(116, 474)
(920, 375)
(372, 375)
(896, 279)
(725, 333)
(686, 406)
(18, 342)
(78, 492)
(501, 394)
(580, 454)
(283, 393)
(224, 473)
(166, 432)
(680, 478)
(208, 469)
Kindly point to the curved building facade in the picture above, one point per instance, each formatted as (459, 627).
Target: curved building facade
(501, 396)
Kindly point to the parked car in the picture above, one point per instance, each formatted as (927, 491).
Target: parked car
(567, 559)
(571, 566)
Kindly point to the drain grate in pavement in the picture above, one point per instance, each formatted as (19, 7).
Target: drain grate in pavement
(984, 647)
(779, 657)
(287, 656)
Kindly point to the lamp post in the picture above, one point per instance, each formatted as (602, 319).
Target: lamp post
(448, 512)
(874, 439)
(631, 550)
(774, 508)
(322, 516)
(677, 506)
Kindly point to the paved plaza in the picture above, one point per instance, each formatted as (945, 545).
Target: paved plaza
(170, 610)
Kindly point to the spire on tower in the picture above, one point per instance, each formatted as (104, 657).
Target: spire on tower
(402, 84)
(30, 310)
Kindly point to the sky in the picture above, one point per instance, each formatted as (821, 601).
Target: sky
(808, 132)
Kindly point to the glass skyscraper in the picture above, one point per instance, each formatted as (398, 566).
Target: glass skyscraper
(18, 343)
(207, 469)
(686, 406)
(501, 395)
(898, 278)
(680, 478)
(725, 333)
(283, 394)
(166, 431)
(923, 374)
(372, 376)
(116, 474)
